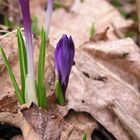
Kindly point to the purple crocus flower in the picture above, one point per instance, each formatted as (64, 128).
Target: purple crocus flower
(30, 93)
(64, 58)
(48, 16)
(28, 35)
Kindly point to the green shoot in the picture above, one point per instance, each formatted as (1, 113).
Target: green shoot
(18, 92)
(58, 4)
(42, 102)
(7, 22)
(123, 13)
(35, 28)
(116, 3)
(85, 136)
(92, 31)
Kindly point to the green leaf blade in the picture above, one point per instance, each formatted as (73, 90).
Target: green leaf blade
(7, 64)
(41, 68)
(22, 60)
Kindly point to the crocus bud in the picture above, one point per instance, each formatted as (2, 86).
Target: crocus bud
(64, 58)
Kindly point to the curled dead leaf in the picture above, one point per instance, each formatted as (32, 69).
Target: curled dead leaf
(109, 78)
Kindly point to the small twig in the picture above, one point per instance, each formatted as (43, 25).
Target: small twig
(3, 27)
(118, 32)
(138, 14)
(13, 32)
(4, 31)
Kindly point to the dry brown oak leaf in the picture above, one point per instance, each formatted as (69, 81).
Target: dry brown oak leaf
(105, 83)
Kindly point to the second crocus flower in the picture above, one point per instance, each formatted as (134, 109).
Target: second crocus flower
(48, 16)
(64, 58)
(30, 91)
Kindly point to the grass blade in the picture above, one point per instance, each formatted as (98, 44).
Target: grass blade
(18, 93)
(41, 66)
(22, 60)
(59, 94)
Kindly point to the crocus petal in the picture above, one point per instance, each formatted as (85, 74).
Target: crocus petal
(28, 35)
(48, 18)
(64, 55)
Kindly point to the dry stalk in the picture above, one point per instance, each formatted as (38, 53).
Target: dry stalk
(138, 14)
